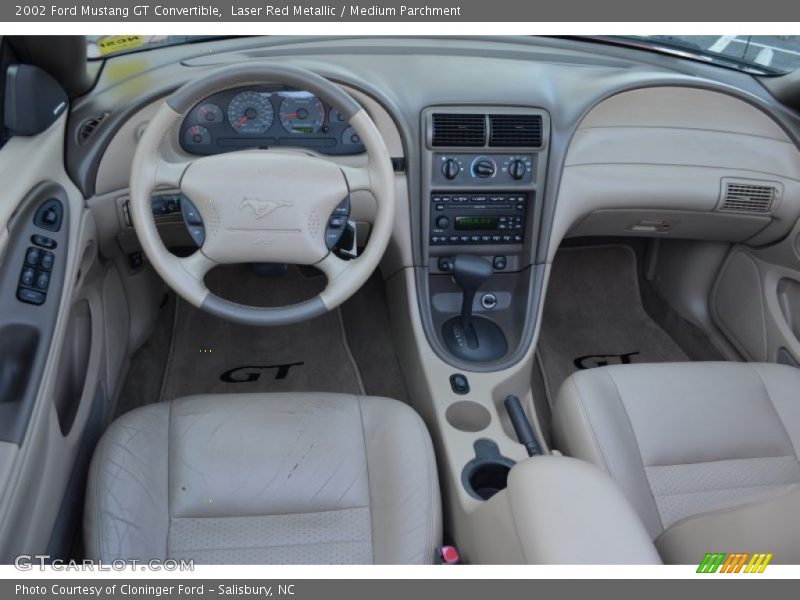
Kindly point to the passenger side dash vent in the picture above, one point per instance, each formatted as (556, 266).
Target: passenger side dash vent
(455, 129)
(747, 197)
(89, 127)
(515, 131)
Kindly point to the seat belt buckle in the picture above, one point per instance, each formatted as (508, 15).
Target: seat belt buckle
(448, 555)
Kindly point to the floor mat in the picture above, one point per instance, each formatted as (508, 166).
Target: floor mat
(593, 316)
(369, 335)
(211, 355)
(148, 365)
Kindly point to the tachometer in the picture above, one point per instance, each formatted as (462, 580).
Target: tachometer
(302, 113)
(251, 112)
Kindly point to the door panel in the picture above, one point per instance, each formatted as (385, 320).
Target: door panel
(756, 300)
(53, 350)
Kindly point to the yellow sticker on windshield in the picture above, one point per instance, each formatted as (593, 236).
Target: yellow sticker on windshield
(115, 43)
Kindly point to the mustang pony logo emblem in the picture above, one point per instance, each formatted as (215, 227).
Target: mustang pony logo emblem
(261, 208)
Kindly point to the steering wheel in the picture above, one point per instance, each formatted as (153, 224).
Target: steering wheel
(272, 206)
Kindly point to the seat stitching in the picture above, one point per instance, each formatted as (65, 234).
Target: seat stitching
(720, 460)
(369, 484)
(432, 482)
(97, 502)
(588, 423)
(169, 487)
(738, 487)
(638, 446)
(297, 545)
(292, 514)
(775, 410)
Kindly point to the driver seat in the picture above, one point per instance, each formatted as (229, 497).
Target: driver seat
(290, 478)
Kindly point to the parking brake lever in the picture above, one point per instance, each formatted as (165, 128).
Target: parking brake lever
(522, 426)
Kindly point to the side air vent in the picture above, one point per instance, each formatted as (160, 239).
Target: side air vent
(451, 129)
(747, 197)
(515, 131)
(89, 127)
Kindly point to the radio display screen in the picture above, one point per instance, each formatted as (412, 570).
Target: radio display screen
(475, 223)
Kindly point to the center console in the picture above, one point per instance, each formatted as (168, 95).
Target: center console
(483, 173)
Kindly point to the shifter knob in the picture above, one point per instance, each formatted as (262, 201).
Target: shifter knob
(469, 272)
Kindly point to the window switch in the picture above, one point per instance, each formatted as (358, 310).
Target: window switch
(42, 281)
(28, 277)
(30, 296)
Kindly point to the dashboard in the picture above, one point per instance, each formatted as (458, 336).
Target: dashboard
(265, 117)
(503, 147)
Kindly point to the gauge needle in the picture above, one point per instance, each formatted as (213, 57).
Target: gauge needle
(241, 122)
(289, 115)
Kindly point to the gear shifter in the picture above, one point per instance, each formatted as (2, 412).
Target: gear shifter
(469, 337)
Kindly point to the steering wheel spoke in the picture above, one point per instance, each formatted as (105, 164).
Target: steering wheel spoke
(169, 174)
(197, 265)
(332, 266)
(358, 178)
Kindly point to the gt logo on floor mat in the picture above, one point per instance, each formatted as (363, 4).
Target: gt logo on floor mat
(590, 361)
(250, 374)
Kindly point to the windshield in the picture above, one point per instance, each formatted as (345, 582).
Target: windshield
(768, 54)
(102, 46)
(762, 54)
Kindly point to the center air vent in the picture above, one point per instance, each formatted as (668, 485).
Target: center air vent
(747, 197)
(515, 131)
(463, 130)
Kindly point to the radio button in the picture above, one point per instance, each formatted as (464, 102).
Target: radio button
(475, 238)
(464, 238)
(439, 207)
(453, 238)
(479, 199)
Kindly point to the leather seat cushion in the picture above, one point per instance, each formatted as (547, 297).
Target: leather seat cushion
(684, 439)
(266, 478)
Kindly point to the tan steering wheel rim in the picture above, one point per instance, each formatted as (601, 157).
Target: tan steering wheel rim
(305, 186)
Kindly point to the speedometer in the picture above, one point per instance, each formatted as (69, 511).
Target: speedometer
(302, 112)
(251, 112)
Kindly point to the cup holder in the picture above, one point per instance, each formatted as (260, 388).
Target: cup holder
(487, 473)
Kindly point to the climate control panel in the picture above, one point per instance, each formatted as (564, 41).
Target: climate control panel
(483, 169)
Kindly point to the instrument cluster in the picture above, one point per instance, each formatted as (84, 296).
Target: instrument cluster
(263, 117)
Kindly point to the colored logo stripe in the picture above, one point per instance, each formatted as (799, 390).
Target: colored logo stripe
(736, 562)
(711, 562)
(758, 563)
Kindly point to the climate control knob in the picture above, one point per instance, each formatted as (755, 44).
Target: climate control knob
(450, 168)
(484, 168)
(517, 169)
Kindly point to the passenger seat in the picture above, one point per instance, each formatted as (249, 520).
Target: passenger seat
(707, 453)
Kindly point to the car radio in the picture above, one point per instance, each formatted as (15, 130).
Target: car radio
(477, 217)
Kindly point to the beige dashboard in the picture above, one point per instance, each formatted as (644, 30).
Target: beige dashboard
(661, 161)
